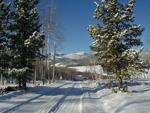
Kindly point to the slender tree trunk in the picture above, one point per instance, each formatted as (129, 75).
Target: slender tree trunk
(19, 81)
(53, 78)
(35, 76)
(12, 80)
(49, 73)
(48, 63)
(24, 84)
(24, 81)
(2, 82)
(43, 74)
(119, 79)
(49, 30)
(43, 69)
(120, 83)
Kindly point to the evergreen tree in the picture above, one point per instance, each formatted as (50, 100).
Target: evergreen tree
(27, 40)
(116, 37)
(4, 39)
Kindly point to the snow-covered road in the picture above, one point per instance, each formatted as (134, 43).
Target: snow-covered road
(64, 97)
(75, 97)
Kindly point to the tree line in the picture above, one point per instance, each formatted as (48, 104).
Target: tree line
(21, 38)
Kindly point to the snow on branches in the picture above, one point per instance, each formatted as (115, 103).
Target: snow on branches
(34, 40)
(17, 71)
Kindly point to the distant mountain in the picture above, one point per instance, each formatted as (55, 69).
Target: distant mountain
(72, 59)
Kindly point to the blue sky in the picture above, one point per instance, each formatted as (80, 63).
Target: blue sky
(76, 15)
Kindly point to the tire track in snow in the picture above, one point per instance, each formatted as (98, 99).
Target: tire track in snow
(91, 101)
(17, 106)
(81, 100)
(72, 102)
(129, 103)
(53, 109)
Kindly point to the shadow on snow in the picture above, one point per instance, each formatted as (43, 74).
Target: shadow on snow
(60, 90)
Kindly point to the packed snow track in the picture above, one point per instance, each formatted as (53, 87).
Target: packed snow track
(64, 97)
(76, 97)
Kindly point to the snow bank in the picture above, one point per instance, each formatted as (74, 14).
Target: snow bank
(137, 101)
(93, 69)
(6, 85)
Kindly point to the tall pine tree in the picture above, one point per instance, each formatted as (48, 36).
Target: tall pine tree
(4, 38)
(115, 37)
(28, 40)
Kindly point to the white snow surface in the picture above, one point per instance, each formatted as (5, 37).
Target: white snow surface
(78, 97)
(93, 69)
(6, 85)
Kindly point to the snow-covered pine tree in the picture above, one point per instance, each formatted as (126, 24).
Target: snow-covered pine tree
(115, 37)
(4, 28)
(28, 39)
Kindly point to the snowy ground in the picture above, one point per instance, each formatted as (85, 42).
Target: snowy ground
(77, 97)
(6, 85)
(93, 69)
